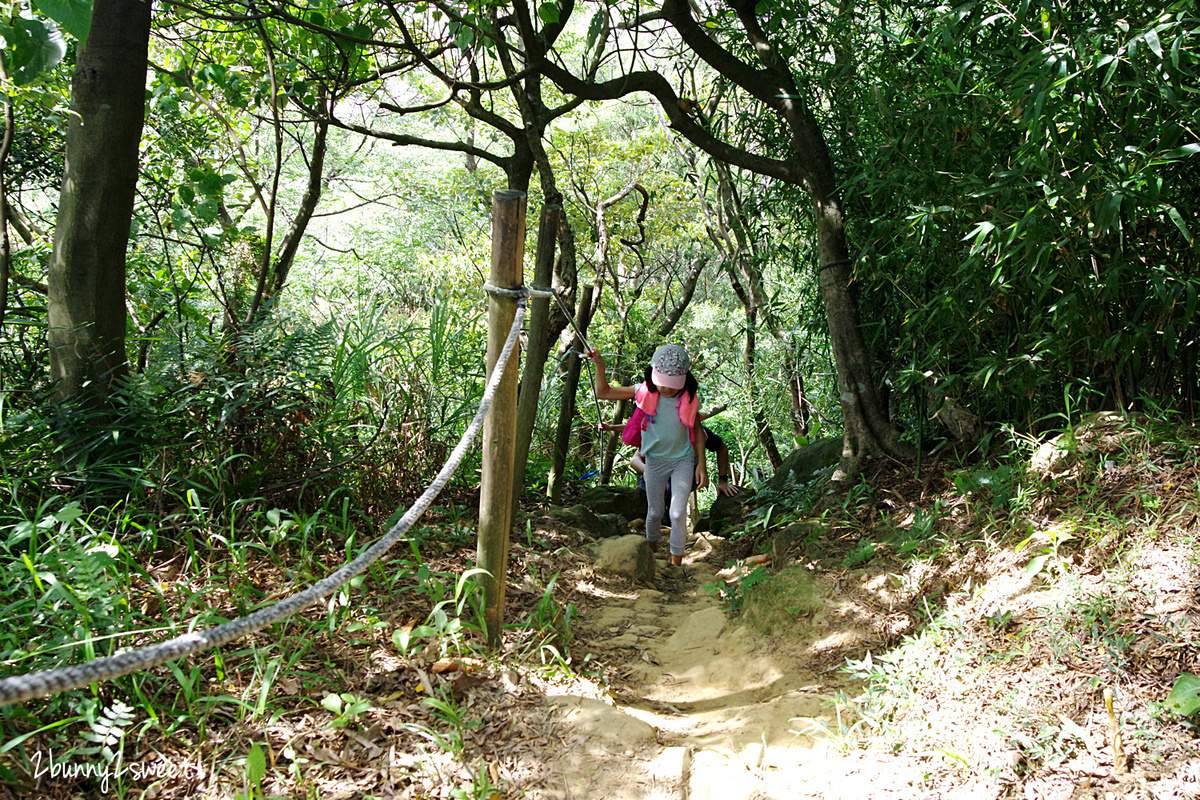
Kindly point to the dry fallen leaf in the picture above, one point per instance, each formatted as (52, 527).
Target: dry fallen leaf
(444, 665)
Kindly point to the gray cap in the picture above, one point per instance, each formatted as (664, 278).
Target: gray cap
(669, 366)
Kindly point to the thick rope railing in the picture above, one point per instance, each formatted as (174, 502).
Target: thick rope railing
(18, 688)
(540, 291)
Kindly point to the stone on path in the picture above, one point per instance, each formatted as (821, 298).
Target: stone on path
(602, 722)
(582, 518)
(628, 555)
(725, 514)
(627, 501)
(612, 756)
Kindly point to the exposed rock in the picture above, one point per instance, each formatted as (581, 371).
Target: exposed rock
(628, 501)
(584, 519)
(793, 539)
(782, 601)
(963, 425)
(595, 719)
(628, 555)
(723, 515)
(1103, 432)
(804, 464)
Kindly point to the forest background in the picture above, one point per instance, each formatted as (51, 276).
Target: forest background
(243, 311)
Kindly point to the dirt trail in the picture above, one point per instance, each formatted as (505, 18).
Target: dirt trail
(703, 708)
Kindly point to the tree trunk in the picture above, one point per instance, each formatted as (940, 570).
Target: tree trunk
(800, 412)
(762, 426)
(566, 417)
(537, 347)
(867, 431)
(613, 442)
(87, 266)
(304, 214)
(5, 241)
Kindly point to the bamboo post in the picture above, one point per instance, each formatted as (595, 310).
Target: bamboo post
(499, 426)
(562, 440)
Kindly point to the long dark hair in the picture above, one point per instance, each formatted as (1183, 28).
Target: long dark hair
(689, 384)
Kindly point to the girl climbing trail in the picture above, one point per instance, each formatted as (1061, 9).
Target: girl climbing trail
(672, 439)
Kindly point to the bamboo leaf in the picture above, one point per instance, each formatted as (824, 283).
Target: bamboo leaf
(1180, 152)
(594, 28)
(1177, 218)
(1151, 38)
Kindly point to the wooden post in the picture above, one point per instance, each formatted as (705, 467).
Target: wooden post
(562, 441)
(537, 347)
(499, 426)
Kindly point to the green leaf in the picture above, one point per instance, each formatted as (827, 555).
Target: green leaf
(1177, 218)
(1112, 69)
(548, 12)
(206, 210)
(594, 29)
(73, 16)
(332, 703)
(69, 513)
(1184, 698)
(1151, 38)
(256, 765)
(38, 47)
(211, 236)
(980, 234)
(1180, 152)
(211, 184)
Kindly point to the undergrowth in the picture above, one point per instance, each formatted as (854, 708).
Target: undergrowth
(1008, 675)
(86, 594)
(398, 650)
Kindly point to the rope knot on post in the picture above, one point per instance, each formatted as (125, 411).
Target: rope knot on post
(520, 292)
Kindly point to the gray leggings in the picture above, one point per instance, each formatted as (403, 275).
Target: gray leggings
(679, 474)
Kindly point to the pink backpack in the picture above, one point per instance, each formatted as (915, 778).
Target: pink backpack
(632, 433)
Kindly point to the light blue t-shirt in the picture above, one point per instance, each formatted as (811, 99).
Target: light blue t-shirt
(666, 438)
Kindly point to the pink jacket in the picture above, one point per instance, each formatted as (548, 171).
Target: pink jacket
(647, 404)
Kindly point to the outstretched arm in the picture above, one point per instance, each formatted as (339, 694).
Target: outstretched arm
(604, 390)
